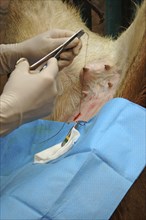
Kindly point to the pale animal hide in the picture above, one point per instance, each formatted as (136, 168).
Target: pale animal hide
(97, 73)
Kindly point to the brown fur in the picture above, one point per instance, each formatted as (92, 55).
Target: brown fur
(133, 205)
(133, 86)
(30, 17)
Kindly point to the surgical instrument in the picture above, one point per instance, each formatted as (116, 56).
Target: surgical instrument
(57, 51)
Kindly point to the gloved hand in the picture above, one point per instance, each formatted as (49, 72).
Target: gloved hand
(27, 96)
(35, 48)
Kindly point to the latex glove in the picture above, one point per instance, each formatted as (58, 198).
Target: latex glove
(35, 48)
(27, 96)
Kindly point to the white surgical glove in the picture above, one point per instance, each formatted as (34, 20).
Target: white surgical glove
(27, 96)
(35, 48)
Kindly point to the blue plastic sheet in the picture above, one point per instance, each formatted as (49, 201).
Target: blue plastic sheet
(87, 182)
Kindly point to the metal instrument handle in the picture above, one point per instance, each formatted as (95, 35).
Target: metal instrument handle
(57, 51)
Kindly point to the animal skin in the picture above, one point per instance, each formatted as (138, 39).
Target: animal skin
(97, 73)
(105, 68)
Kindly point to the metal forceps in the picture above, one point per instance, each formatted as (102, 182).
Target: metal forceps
(57, 51)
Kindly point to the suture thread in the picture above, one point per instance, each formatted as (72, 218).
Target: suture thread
(85, 62)
(87, 44)
(82, 124)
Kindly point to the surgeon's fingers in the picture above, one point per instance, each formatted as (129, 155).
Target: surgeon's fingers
(77, 48)
(67, 55)
(64, 63)
(50, 69)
